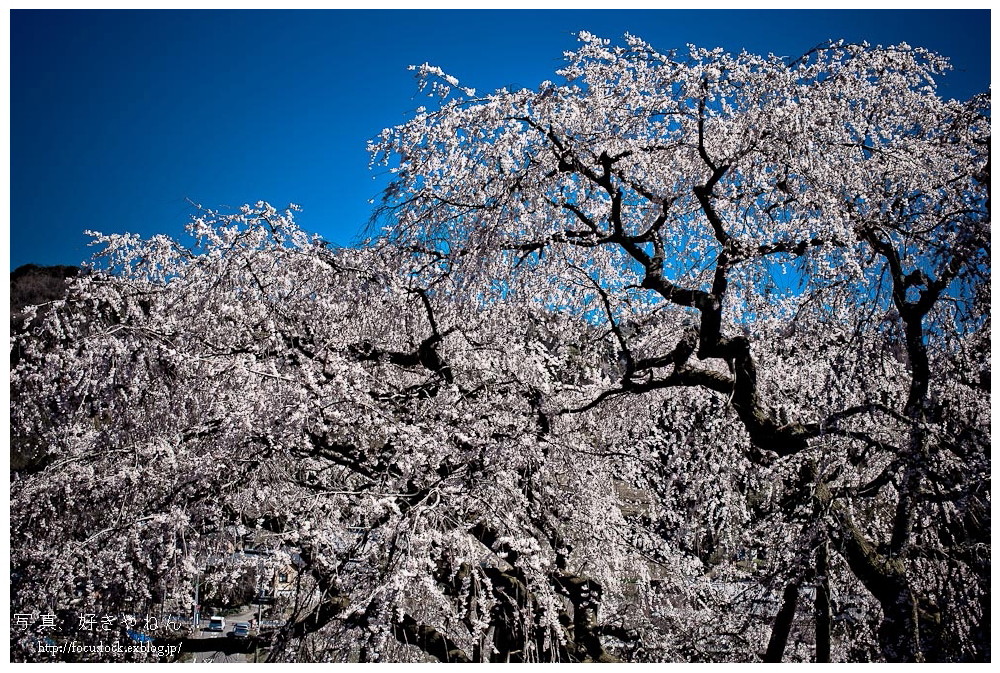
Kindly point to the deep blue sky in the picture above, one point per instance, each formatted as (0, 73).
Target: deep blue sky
(118, 117)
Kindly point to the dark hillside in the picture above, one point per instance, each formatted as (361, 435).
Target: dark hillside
(31, 285)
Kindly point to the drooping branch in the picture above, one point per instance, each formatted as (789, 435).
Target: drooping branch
(511, 590)
(585, 594)
(409, 631)
(426, 354)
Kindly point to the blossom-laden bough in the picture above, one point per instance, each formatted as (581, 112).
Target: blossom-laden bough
(640, 362)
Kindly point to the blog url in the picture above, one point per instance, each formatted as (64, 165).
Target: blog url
(73, 647)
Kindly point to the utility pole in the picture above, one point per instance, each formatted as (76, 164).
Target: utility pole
(195, 617)
(260, 602)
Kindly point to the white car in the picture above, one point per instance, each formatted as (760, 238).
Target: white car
(217, 623)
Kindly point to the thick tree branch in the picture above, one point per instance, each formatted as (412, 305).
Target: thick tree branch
(410, 632)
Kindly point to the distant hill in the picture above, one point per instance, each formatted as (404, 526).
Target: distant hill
(32, 284)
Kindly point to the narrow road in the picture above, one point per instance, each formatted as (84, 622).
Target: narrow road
(226, 643)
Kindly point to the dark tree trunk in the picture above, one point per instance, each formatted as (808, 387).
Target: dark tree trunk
(822, 605)
(782, 624)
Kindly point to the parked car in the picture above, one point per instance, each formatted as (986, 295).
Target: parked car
(139, 636)
(240, 630)
(217, 623)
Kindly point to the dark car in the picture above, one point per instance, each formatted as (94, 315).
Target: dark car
(240, 630)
